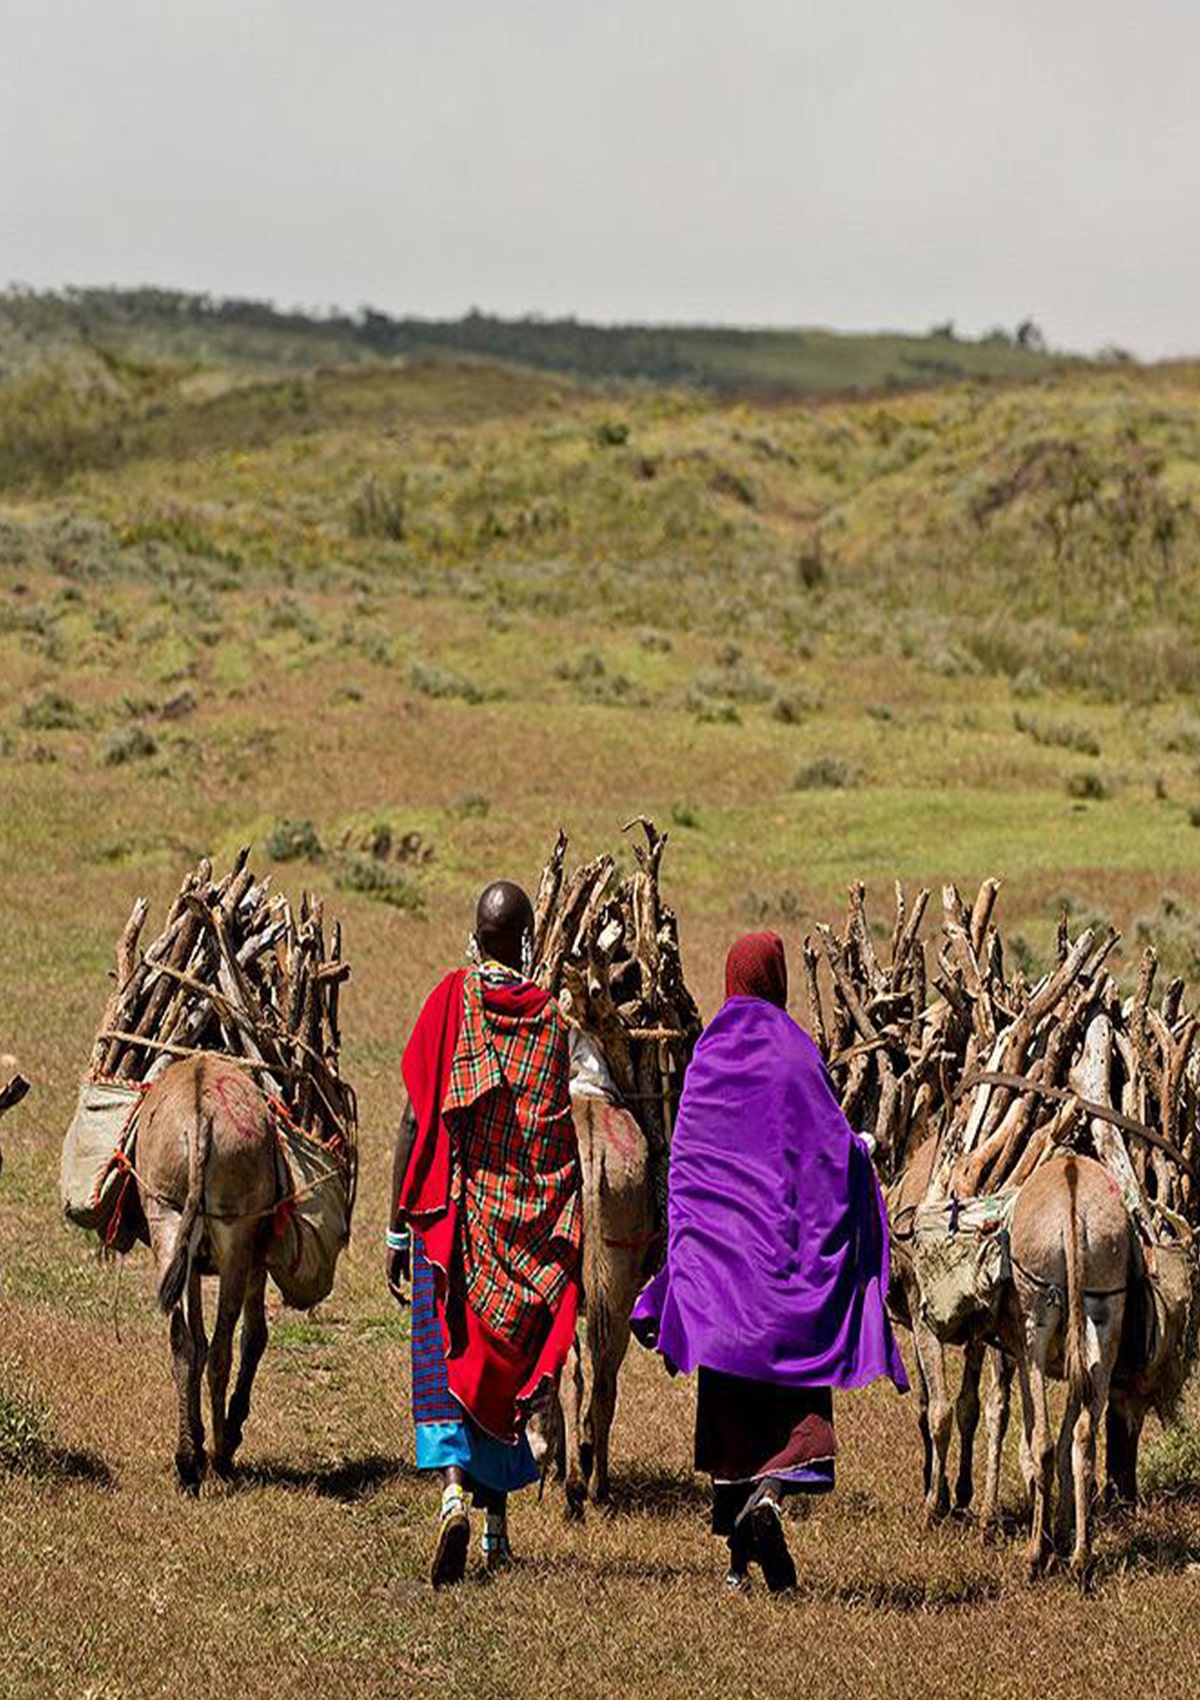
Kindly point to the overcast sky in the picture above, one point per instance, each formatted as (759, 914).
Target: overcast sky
(856, 163)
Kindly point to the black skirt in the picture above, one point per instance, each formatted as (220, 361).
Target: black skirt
(751, 1431)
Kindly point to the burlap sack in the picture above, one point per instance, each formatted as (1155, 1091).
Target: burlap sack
(961, 1259)
(313, 1224)
(90, 1179)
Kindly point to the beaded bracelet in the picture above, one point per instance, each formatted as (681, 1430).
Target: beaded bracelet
(397, 1241)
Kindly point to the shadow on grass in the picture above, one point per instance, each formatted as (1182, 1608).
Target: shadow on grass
(653, 1493)
(349, 1482)
(68, 1465)
(62, 1466)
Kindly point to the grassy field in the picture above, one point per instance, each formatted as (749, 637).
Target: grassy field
(932, 636)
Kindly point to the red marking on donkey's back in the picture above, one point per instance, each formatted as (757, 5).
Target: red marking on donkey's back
(240, 1113)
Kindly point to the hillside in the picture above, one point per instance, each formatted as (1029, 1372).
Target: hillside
(392, 623)
(82, 329)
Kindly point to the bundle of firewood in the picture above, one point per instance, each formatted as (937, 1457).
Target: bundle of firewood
(235, 969)
(895, 1050)
(610, 954)
(1002, 1073)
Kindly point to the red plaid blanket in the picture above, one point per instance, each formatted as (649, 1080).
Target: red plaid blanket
(493, 1186)
(514, 1165)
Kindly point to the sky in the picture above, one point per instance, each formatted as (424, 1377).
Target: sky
(862, 164)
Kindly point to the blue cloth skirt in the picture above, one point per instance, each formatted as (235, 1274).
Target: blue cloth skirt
(446, 1436)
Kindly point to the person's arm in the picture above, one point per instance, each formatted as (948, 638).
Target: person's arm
(397, 1251)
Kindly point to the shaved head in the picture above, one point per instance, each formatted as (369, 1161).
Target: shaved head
(503, 922)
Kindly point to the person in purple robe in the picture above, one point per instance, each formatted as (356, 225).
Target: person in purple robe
(776, 1272)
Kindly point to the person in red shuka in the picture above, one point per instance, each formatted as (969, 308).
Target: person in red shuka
(485, 1178)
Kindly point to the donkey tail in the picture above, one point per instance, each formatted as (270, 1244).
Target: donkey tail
(199, 1142)
(1079, 1375)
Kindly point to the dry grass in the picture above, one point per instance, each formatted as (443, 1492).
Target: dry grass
(232, 576)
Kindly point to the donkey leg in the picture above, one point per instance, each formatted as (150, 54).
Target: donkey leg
(966, 1417)
(941, 1421)
(604, 1405)
(1103, 1342)
(1064, 1467)
(572, 1409)
(185, 1364)
(234, 1275)
(1041, 1446)
(996, 1411)
(254, 1343)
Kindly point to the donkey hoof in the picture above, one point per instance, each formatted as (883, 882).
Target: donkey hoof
(576, 1504)
(190, 1469)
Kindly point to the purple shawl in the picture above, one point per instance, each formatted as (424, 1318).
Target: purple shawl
(777, 1241)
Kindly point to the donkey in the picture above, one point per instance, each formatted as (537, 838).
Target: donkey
(1073, 1262)
(620, 1233)
(937, 1414)
(207, 1164)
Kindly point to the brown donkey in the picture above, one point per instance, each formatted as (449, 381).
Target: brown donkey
(207, 1164)
(1073, 1261)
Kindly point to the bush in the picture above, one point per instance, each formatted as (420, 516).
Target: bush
(1174, 931)
(377, 880)
(825, 773)
(132, 743)
(287, 615)
(1060, 734)
(1171, 1463)
(589, 665)
(686, 815)
(50, 712)
(611, 433)
(1182, 737)
(293, 841)
(24, 1447)
(1027, 683)
(437, 682)
(711, 711)
(380, 510)
(1087, 787)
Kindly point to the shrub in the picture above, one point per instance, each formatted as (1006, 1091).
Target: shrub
(1059, 734)
(1174, 931)
(380, 510)
(825, 773)
(132, 743)
(1182, 737)
(737, 682)
(1027, 683)
(1087, 787)
(287, 615)
(438, 682)
(50, 712)
(293, 841)
(377, 880)
(1171, 1463)
(24, 1447)
(473, 805)
(711, 711)
(589, 665)
(789, 707)
(686, 815)
(611, 434)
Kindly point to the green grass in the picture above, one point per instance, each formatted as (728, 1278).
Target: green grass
(574, 626)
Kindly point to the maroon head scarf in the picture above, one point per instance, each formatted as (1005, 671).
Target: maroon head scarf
(757, 968)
